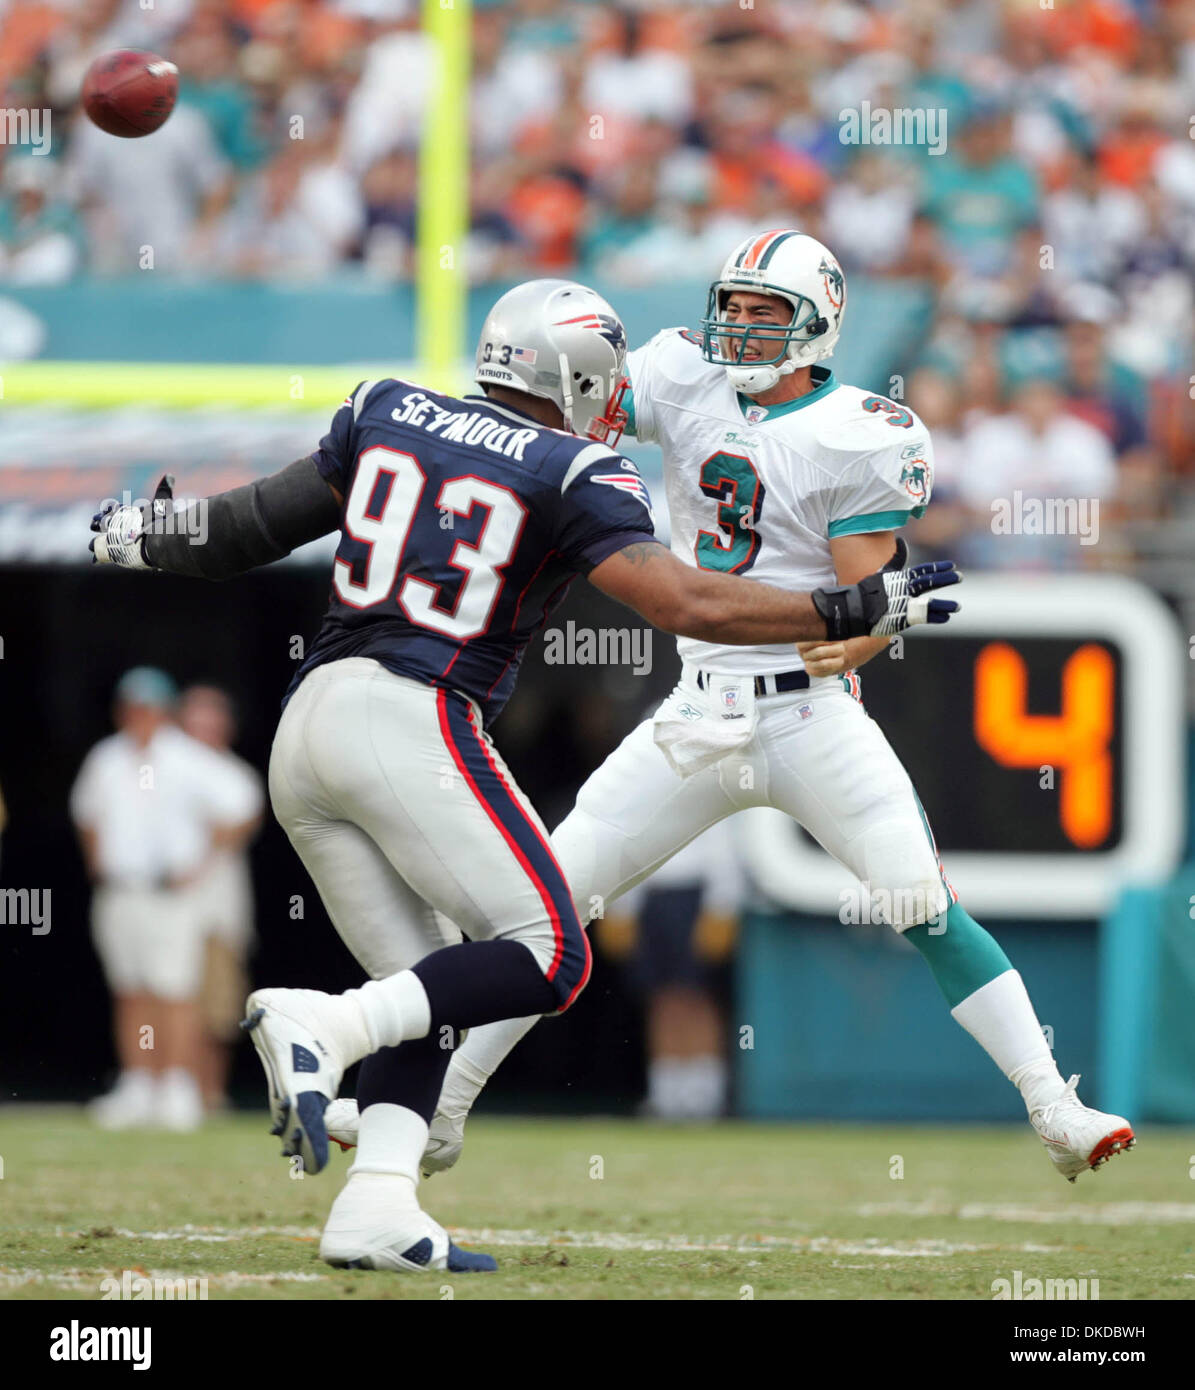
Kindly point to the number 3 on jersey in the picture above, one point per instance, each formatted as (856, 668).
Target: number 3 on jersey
(379, 512)
(731, 480)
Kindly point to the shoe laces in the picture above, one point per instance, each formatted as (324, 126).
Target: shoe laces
(1064, 1101)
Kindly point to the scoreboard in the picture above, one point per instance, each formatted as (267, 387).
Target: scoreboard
(1044, 728)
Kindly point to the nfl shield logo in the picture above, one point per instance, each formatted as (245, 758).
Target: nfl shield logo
(730, 696)
(756, 413)
(805, 711)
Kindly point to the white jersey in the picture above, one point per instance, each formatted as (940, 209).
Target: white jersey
(153, 808)
(760, 491)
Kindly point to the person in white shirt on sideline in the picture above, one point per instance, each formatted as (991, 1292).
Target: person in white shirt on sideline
(151, 805)
(225, 898)
(677, 928)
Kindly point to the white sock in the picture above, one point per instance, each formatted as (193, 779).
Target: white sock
(180, 1078)
(387, 1012)
(390, 1139)
(478, 1058)
(664, 1085)
(705, 1086)
(687, 1088)
(1001, 1019)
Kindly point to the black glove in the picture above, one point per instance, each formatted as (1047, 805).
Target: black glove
(889, 601)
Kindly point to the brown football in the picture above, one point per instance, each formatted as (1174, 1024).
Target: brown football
(130, 92)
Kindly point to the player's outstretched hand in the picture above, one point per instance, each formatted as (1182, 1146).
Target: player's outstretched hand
(122, 529)
(889, 601)
(906, 592)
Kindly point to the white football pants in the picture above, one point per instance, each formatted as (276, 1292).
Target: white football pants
(397, 803)
(816, 755)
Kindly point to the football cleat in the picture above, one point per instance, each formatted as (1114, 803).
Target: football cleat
(445, 1140)
(302, 1068)
(341, 1120)
(1077, 1137)
(377, 1223)
(446, 1135)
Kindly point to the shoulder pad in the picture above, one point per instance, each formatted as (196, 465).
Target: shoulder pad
(862, 422)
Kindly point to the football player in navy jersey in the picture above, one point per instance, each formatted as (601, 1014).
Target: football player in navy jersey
(462, 523)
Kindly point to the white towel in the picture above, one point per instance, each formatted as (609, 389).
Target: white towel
(696, 728)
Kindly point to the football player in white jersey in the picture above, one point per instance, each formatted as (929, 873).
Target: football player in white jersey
(775, 469)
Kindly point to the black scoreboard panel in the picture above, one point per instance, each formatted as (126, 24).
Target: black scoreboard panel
(1015, 745)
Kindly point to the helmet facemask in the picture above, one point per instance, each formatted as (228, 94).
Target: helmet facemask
(593, 406)
(724, 340)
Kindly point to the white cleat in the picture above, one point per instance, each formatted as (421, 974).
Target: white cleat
(1077, 1137)
(179, 1102)
(302, 1067)
(128, 1105)
(445, 1140)
(341, 1120)
(377, 1223)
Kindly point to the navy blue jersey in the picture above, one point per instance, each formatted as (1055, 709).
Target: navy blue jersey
(463, 524)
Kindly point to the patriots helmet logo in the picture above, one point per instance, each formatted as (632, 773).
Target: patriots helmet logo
(606, 325)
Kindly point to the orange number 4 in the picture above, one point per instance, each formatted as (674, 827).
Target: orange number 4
(1075, 741)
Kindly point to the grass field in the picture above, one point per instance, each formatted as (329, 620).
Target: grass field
(609, 1210)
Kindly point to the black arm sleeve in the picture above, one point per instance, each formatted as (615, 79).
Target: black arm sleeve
(225, 535)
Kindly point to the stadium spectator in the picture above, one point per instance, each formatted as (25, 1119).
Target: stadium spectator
(224, 896)
(636, 142)
(1016, 462)
(150, 204)
(151, 805)
(39, 235)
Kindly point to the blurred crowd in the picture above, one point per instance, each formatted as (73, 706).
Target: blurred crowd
(1050, 211)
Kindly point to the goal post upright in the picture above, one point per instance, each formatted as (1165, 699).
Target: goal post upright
(441, 280)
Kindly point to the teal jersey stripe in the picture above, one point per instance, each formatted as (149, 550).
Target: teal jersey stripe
(628, 404)
(874, 521)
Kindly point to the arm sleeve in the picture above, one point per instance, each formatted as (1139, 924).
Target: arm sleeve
(604, 506)
(883, 490)
(235, 531)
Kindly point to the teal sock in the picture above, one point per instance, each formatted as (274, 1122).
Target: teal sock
(963, 958)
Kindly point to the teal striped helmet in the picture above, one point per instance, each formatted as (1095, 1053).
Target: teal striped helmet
(791, 266)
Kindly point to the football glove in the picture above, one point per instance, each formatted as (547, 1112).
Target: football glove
(121, 539)
(888, 602)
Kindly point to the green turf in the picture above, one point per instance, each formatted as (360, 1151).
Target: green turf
(604, 1209)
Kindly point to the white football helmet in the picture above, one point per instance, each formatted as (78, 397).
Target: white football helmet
(799, 270)
(561, 341)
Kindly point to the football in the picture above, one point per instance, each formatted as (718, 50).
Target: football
(130, 92)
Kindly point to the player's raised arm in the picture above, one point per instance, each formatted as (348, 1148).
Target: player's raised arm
(221, 536)
(647, 577)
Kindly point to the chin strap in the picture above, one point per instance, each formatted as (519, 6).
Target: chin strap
(748, 379)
